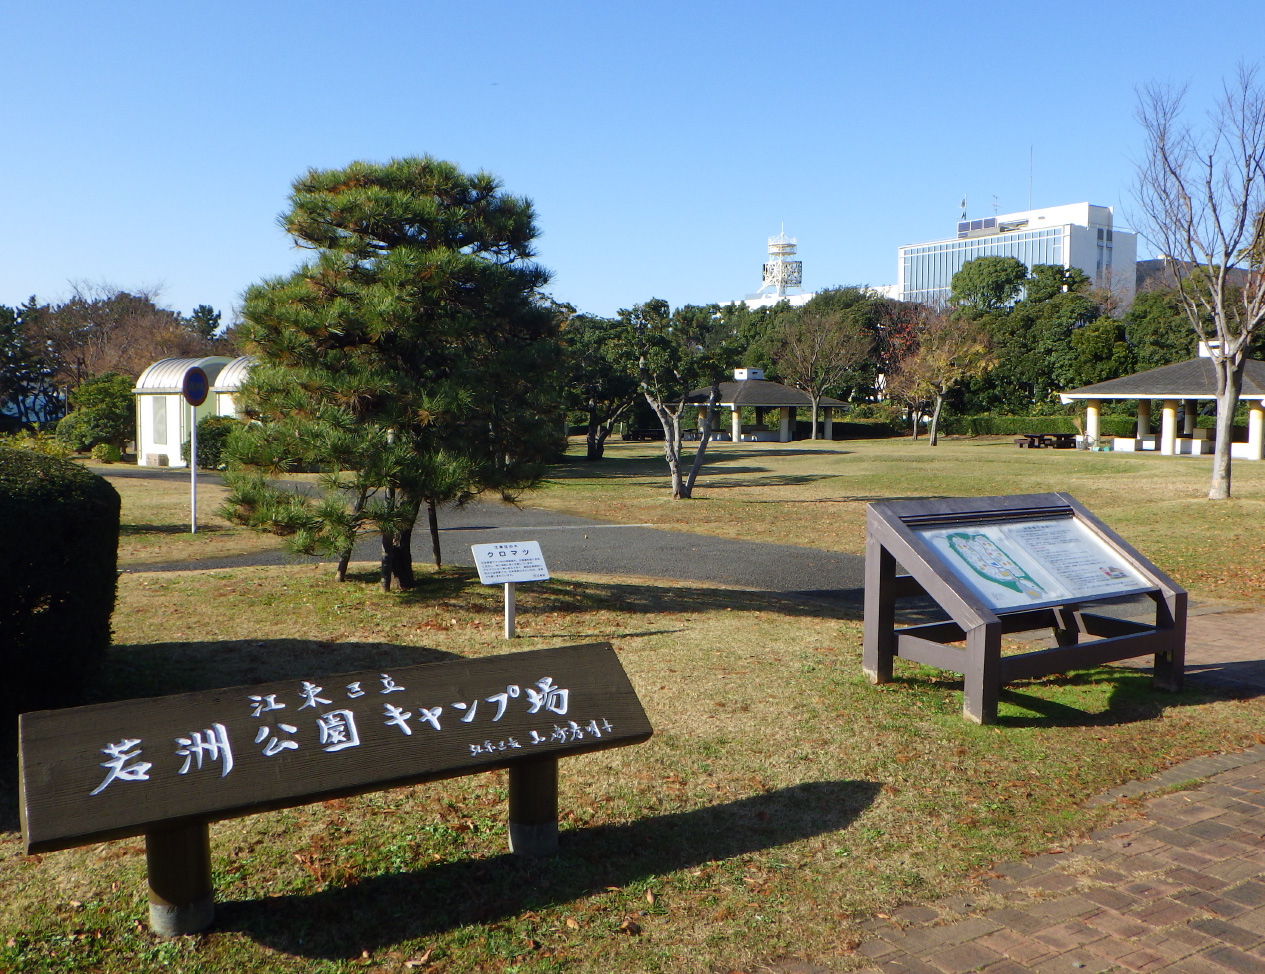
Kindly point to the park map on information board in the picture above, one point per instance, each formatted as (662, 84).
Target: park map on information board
(1033, 562)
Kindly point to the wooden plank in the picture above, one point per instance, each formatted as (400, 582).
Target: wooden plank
(102, 772)
(930, 653)
(1082, 655)
(940, 632)
(1093, 624)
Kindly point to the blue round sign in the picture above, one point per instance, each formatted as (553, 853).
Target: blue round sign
(195, 387)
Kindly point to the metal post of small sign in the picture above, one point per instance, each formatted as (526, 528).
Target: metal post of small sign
(508, 563)
(195, 388)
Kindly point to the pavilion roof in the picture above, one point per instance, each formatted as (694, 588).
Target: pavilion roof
(760, 392)
(1195, 378)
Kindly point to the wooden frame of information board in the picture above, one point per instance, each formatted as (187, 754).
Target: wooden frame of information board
(999, 565)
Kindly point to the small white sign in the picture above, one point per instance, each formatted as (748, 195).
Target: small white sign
(510, 561)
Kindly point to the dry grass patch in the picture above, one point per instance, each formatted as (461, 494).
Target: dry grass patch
(781, 800)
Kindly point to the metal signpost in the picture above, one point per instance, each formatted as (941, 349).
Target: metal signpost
(195, 389)
(508, 563)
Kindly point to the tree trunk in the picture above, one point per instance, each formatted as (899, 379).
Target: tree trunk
(702, 440)
(344, 559)
(387, 561)
(1229, 384)
(913, 421)
(816, 400)
(433, 517)
(402, 564)
(935, 420)
(594, 439)
(671, 423)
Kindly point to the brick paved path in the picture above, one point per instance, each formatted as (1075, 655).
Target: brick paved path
(1179, 891)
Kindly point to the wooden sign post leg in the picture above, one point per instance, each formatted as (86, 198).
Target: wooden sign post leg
(509, 609)
(982, 679)
(878, 646)
(534, 807)
(181, 899)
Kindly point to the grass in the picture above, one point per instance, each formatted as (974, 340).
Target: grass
(815, 495)
(781, 801)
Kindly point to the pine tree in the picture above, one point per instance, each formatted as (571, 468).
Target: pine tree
(409, 358)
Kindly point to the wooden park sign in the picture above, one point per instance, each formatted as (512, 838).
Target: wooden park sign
(165, 767)
(1000, 565)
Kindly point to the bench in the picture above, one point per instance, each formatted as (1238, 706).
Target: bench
(166, 767)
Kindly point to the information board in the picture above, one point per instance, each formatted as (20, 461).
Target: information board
(510, 561)
(1033, 562)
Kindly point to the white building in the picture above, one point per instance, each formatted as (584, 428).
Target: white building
(1078, 235)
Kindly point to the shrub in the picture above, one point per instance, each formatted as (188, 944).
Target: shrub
(106, 453)
(213, 433)
(59, 533)
(105, 413)
(1118, 425)
(46, 443)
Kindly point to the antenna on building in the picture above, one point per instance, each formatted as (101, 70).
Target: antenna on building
(1030, 177)
(780, 272)
(995, 207)
(963, 216)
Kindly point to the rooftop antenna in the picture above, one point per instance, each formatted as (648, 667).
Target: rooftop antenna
(963, 216)
(1029, 177)
(994, 204)
(780, 272)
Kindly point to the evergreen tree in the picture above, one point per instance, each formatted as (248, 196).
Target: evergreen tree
(408, 359)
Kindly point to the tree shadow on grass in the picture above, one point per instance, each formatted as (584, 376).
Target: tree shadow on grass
(128, 530)
(430, 899)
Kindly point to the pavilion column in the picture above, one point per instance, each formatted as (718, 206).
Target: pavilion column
(1144, 417)
(1256, 430)
(1091, 420)
(1168, 428)
(735, 423)
(1190, 418)
(784, 431)
(830, 420)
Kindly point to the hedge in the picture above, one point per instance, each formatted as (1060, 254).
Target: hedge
(59, 533)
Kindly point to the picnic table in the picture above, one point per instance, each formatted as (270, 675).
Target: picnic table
(1036, 441)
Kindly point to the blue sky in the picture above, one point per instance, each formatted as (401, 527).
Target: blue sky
(153, 143)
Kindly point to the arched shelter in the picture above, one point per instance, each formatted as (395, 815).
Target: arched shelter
(162, 415)
(224, 388)
(750, 388)
(1181, 386)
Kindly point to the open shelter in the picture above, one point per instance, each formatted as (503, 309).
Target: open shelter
(1181, 386)
(750, 388)
(162, 415)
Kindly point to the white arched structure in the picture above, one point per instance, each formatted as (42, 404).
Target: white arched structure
(162, 415)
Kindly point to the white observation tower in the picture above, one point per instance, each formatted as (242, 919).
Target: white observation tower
(781, 272)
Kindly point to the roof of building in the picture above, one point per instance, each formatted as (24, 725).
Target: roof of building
(234, 374)
(167, 375)
(1195, 378)
(760, 392)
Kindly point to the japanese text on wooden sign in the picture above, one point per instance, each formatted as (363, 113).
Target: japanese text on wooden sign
(510, 561)
(111, 769)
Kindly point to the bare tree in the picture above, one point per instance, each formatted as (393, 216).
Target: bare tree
(818, 350)
(1201, 194)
